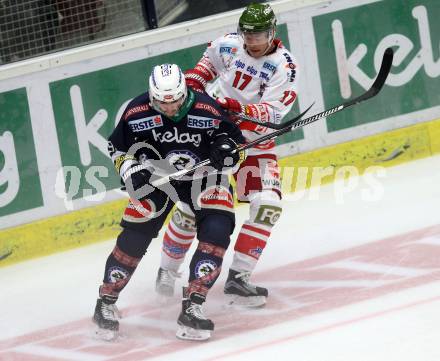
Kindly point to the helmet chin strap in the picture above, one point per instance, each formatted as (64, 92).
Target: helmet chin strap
(269, 43)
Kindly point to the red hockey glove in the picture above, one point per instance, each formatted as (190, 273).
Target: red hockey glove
(196, 79)
(231, 105)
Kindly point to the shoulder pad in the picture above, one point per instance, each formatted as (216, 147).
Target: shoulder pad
(228, 44)
(207, 108)
(205, 104)
(231, 35)
(233, 38)
(138, 105)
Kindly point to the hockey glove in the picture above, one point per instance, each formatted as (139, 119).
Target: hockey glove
(231, 105)
(138, 176)
(143, 177)
(220, 152)
(195, 80)
(259, 112)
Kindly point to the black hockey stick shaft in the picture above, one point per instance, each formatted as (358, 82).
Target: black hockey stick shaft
(272, 125)
(297, 122)
(375, 88)
(183, 172)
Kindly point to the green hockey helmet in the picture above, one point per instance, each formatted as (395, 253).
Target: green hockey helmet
(257, 18)
(257, 28)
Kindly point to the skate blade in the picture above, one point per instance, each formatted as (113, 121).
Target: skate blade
(106, 335)
(246, 302)
(188, 333)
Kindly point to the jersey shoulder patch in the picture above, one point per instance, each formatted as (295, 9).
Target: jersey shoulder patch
(207, 106)
(138, 106)
(204, 106)
(228, 44)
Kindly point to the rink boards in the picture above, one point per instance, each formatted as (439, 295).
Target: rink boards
(100, 223)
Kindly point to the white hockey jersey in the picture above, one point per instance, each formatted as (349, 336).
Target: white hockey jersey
(268, 83)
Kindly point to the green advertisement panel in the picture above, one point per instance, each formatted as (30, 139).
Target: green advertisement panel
(86, 108)
(20, 187)
(297, 134)
(350, 44)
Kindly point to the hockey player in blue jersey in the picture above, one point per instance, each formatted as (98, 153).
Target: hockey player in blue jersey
(166, 129)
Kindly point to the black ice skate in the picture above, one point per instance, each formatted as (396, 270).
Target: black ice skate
(106, 317)
(165, 282)
(192, 324)
(242, 293)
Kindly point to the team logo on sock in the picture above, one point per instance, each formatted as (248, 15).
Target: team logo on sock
(256, 252)
(116, 274)
(205, 267)
(184, 221)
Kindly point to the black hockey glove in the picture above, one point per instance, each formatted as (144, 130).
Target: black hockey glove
(136, 177)
(220, 152)
(141, 177)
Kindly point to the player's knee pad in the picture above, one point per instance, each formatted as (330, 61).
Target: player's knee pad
(265, 208)
(147, 216)
(216, 229)
(139, 211)
(133, 243)
(184, 218)
(180, 232)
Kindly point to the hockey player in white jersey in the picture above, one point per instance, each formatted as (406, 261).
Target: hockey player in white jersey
(255, 76)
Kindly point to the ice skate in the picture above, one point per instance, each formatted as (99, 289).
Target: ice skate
(192, 323)
(241, 293)
(106, 318)
(165, 282)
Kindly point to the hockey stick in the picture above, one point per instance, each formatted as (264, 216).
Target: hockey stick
(183, 172)
(297, 122)
(384, 70)
(375, 88)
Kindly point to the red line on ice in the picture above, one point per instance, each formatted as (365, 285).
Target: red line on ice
(147, 329)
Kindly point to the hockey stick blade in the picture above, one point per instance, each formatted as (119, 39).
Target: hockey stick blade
(384, 70)
(378, 83)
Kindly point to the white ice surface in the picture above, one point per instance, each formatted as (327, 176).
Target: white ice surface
(402, 325)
